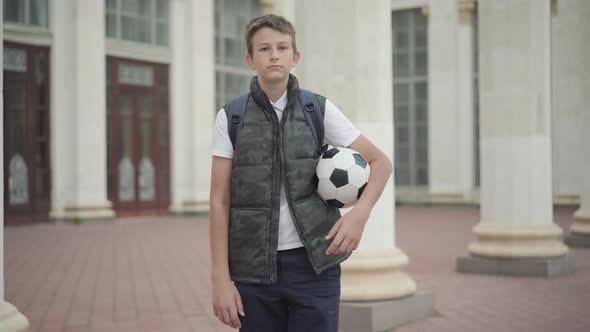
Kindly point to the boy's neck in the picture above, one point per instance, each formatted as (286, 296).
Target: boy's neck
(274, 91)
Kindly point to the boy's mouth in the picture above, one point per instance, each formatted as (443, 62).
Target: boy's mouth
(275, 66)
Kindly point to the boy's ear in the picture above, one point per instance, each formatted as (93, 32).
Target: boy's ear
(296, 58)
(250, 61)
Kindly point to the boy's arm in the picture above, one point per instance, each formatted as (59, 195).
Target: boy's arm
(226, 299)
(219, 204)
(347, 231)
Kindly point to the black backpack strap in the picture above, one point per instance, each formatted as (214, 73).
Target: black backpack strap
(235, 117)
(314, 115)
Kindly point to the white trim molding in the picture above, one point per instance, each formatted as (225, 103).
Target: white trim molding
(408, 4)
(138, 51)
(26, 34)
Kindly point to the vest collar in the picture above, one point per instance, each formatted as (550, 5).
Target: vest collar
(261, 98)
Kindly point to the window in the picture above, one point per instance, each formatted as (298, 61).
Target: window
(27, 132)
(144, 21)
(232, 75)
(410, 97)
(28, 12)
(138, 134)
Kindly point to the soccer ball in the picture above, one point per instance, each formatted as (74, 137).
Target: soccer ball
(341, 176)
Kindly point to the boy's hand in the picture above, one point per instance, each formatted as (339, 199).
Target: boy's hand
(227, 303)
(347, 232)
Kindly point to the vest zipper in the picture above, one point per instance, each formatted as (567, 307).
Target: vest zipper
(276, 126)
(291, 210)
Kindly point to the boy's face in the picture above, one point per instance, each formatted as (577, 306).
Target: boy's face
(272, 55)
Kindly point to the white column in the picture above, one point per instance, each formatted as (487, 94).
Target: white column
(285, 8)
(10, 319)
(581, 227)
(347, 57)
(192, 103)
(569, 52)
(179, 104)
(202, 100)
(571, 83)
(516, 205)
(450, 100)
(465, 104)
(78, 106)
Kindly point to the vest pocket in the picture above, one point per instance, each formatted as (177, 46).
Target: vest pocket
(316, 219)
(249, 242)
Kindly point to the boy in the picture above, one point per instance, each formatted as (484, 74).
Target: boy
(276, 247)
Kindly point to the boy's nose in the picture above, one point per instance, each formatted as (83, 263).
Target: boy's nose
(274, 54)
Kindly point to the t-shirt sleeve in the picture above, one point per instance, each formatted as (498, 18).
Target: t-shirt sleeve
(220, 143)
(338, 130)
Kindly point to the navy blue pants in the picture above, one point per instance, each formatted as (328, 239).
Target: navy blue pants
(300, 301)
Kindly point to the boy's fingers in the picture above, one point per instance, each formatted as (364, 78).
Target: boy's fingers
(330, 249)
(225, 317)
(234, 318)
(333, 249)
(239, 304)
(334, 230)
(344, 245)
(350, 247)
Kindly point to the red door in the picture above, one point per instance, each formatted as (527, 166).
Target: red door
(138, 138)
(26, 133)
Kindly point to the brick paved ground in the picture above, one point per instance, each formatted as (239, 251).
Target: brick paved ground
(152, 274)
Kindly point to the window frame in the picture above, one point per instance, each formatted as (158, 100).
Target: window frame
(407, 173)
(226, 66)
(154, 21)
(27, 17)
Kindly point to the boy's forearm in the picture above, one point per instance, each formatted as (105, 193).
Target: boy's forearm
(381, 170)
(218, 235)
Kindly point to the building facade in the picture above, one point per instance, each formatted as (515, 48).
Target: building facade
(108, 105)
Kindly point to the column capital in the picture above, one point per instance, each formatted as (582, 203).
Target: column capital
(425, 10)
(266, 6)
(466, 10)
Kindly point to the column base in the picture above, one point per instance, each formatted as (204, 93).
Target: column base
(191, 208)
(446, 198)
(520, 267)
(83, 213)
(376, 275)
(378, 316)
(11, 320)
(518, 241)
(581, 224)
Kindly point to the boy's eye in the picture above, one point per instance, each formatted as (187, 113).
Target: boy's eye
(264, 49)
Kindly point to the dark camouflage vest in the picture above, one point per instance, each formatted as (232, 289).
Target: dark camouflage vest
(268, 154)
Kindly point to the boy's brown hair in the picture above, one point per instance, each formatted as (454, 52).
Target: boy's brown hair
(275, 22)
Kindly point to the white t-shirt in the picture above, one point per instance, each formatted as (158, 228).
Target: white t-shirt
(338, 131)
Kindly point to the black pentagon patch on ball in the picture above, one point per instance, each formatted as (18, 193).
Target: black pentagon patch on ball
(361, 189)
(335, 203)
(360, 160)
(330, 153)
(315, 181)
(339, 178)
